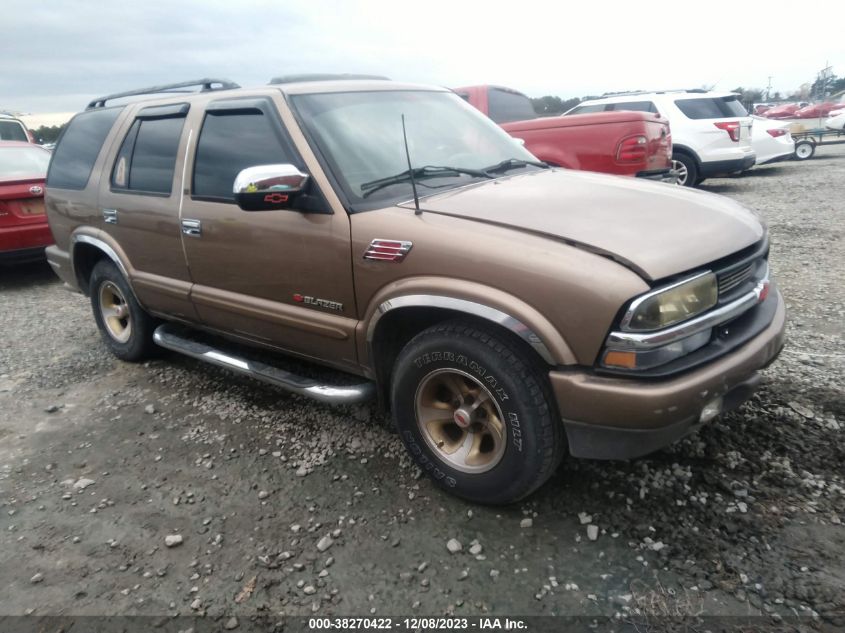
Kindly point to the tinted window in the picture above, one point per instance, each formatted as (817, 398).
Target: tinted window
(587, 109)
(148, 155)
(78, 148)
(711, 108)
(12, 131)
(636, 106)
(232, 140)
(504, 106)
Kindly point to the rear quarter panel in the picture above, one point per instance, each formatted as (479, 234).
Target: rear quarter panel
(590, 141)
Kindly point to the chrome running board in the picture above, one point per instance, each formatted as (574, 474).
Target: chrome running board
(176, 339)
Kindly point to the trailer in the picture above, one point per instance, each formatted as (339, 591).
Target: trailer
(809, 134)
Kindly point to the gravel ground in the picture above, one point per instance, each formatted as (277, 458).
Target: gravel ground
(173, 487)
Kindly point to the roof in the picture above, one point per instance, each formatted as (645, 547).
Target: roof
(294, 84)
(678, 94)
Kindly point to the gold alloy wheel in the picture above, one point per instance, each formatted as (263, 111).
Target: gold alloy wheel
(115, 312)
(460, 420)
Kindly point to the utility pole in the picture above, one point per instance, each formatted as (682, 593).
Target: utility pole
(822, 80)
(768, 89)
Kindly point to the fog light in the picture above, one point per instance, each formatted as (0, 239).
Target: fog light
(711, 410)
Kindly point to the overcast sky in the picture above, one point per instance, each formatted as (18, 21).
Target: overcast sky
(56, 55)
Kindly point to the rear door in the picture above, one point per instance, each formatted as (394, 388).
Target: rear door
(280, 277)
(139, 200)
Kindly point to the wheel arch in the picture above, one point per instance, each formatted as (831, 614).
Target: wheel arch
(395, 321)
(683, 149)
(86, 251)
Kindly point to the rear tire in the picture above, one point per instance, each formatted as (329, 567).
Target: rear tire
(126, 329)
(476, 413)
(687, 169)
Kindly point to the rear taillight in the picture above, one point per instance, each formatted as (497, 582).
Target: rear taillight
(632, 149)
(776, 132)
(731, 127)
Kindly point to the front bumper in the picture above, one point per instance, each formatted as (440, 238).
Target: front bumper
(621, 418)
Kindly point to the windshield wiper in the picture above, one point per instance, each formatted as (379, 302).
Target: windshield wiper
(429, 171)
(512, 163)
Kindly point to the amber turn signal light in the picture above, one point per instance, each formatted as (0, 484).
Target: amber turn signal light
(614, 358)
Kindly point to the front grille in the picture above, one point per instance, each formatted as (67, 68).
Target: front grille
(731, 279)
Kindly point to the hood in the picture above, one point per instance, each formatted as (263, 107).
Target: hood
(657, 230)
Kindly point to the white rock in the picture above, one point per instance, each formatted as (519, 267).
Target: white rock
(82, 483)
(325, 543)
(454, 546)
(172, 540)
(584, 518)
(37, 578)
(526, 523)
(475, 549)
(263, 494)
(309, 590)
(150, 409)
(592, 532)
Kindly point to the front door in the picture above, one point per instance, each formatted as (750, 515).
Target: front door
(280, 277)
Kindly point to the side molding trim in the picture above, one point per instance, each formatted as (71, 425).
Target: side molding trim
(468, 307)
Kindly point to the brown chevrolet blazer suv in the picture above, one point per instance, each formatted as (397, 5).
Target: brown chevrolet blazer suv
(507, 313)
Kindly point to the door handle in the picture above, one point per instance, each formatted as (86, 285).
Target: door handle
(110, 216)
(192, 227)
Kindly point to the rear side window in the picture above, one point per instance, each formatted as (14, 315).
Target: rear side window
(147, 158)
(12, 131)
(588, 109)
(711, 107)
(505, 106)
(232, 140)
(636, 106)
(78, 148)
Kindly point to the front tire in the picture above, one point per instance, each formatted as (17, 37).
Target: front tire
(126, 329)
(476, 413)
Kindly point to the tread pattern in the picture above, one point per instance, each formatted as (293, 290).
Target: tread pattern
(518, 362)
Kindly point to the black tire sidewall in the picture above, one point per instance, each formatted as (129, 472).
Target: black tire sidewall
(518, 470)
(139, 345)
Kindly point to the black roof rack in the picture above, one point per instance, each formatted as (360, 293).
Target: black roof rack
(292, 79)
(206, 85)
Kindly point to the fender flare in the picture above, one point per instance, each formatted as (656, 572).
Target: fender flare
(103, 246)
(551, 348)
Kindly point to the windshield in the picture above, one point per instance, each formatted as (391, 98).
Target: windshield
(17, 162)
(360, 136)
(12, 131)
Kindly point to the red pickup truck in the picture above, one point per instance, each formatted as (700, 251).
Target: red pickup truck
(624, 143)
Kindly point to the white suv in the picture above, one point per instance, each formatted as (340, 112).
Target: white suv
(12, 129)
(711, 131)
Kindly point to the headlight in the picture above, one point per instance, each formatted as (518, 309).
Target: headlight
(673, 304)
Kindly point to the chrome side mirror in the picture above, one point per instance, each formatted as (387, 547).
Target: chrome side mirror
(268, 187)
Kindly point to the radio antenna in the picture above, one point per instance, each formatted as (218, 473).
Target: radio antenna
(411, 169)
